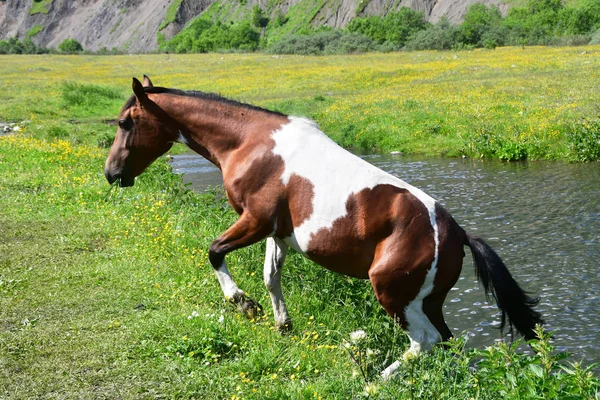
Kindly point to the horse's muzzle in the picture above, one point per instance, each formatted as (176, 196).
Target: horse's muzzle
(123, 181)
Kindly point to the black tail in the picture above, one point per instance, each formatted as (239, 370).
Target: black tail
(514, 302)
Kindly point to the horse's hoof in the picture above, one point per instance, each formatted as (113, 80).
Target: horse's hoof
(285, 327)
(250, 308)
(245, 305)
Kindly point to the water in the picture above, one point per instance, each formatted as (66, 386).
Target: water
(543, 218)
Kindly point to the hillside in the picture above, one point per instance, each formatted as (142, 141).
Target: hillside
(136, 25)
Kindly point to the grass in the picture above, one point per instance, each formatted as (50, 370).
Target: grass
(171, 14)
(34, 30)
(108, 293)
(40, 7)
(507, 103)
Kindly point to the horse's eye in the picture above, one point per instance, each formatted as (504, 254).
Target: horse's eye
(126, 124)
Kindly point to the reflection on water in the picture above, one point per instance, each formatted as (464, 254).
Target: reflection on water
(542, 218)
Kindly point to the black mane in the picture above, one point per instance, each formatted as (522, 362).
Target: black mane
(198, 95)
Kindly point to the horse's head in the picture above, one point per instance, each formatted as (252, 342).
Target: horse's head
(145, 133)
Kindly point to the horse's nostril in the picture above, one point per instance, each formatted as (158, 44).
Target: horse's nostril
(110, 177)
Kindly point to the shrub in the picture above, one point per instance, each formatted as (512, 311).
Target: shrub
(14, 46)
(533, 23)
(280, 19)
(478, 22)
(584, 140)
(202, 36)
(395, 27)
(40, 7)
(503, 143)
(258, 17)
(579, 20)
(70, 46)
(324, 42)
(441, 36)
(595, 37)
(349, 44)
(372, 27)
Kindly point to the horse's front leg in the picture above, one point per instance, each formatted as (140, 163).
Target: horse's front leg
(247, 230)
(274, 258)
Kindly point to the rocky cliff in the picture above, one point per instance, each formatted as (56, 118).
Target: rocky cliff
(135, 25)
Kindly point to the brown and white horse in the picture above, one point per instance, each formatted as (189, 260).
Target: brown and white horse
(294, 186)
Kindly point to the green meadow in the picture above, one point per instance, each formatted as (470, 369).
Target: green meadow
(509, 103)
(108, 292)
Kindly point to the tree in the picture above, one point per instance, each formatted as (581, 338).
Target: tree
(401, 25)
(258, 17)
(396, 27)
(479, 20)
(70, 46)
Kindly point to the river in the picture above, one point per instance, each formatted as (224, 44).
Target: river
(543, 218)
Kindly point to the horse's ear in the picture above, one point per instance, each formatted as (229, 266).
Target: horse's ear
(147, 82)
(139, 92)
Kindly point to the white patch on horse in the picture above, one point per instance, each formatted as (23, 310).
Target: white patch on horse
(335, 173)
(423, 335)
(229, 287)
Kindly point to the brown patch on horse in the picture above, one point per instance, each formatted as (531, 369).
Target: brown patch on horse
(300, 194)
(402, 261)
(372, 216)
(295, 206)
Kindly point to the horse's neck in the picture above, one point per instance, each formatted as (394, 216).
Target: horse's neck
(214, 130)
(205, 127)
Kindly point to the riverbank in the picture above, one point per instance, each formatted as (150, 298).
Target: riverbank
(109, 293)
(508, 103)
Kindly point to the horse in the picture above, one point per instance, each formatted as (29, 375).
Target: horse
(294, 186)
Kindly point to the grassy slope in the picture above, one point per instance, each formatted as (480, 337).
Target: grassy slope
(97, 288)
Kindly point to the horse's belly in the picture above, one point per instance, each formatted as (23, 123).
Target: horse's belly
(349, 255)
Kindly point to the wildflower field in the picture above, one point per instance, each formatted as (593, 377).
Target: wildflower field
(508, 103)
(108, 293)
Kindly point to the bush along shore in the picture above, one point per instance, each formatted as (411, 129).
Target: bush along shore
(107, 292)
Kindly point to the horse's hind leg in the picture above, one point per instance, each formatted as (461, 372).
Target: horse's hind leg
(401, 283)
(449, 265)
(245, 231)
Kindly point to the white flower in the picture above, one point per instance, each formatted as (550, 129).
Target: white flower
(358, 335)
(371, 389)
(221, 319)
